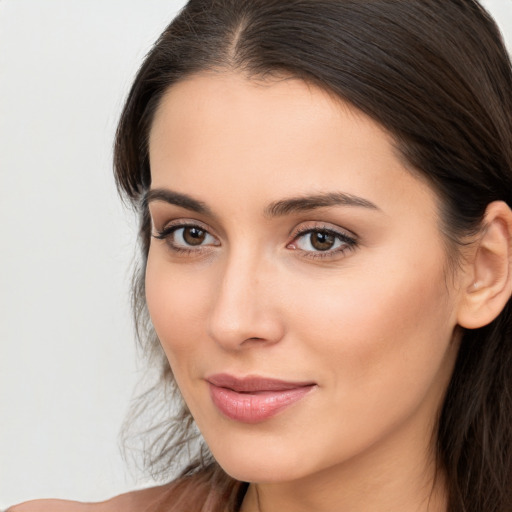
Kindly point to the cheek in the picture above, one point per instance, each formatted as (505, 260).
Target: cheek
(378, 330)
(380, 346)
(176, 303)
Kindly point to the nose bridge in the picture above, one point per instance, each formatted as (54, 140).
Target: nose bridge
(242, 309)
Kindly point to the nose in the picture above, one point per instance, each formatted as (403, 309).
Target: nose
(244, 311)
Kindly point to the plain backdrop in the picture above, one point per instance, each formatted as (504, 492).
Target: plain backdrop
(67, 351)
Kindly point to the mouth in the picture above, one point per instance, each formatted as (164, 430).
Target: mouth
(254, 399)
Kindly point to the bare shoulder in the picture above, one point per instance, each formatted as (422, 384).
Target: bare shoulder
(51, 506)
(134, 501)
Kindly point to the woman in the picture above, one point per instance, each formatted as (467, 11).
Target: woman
(326, 239)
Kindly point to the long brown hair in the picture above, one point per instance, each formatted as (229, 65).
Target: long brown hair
(435, 74)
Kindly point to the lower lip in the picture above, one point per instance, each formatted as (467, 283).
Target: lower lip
(255, 407)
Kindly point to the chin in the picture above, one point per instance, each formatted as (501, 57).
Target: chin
(261, 466)
(263, 474)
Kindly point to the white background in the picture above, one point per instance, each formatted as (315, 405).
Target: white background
(67, 352)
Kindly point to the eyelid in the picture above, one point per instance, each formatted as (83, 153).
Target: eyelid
(312, 226)
(183, 223)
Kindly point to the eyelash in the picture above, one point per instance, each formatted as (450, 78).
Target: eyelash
(167, 233)
(348, 242)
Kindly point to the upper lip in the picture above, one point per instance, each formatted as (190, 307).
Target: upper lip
(253, 383)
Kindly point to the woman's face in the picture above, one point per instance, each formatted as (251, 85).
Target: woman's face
(297, 279)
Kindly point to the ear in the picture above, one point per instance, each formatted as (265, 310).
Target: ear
(488, 277)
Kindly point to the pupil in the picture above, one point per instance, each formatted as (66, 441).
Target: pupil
(322, 241)
(194, 236)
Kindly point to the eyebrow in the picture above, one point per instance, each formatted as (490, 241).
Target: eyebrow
(171, 197)
(275, 209)
(307, 203)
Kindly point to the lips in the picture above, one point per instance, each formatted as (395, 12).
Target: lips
(254, 399)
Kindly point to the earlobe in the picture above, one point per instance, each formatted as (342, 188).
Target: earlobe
(489, 277)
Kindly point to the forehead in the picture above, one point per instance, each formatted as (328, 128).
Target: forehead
(272, 138)
(214, 96)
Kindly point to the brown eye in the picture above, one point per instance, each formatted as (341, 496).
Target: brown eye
(194, 236)
(322, 240)
(183, 238)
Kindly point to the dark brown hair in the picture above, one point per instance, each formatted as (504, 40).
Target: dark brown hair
(435, 74)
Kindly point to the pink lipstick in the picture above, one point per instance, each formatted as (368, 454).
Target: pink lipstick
(254, 399)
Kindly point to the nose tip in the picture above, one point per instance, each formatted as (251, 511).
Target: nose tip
(243, 313)
(233, 335)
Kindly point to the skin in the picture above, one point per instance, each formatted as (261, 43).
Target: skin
(372, 324)
(128, 502)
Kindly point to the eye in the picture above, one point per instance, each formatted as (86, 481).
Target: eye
(192, 236)
(186, 237)
(318, 241)
(322, 241)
